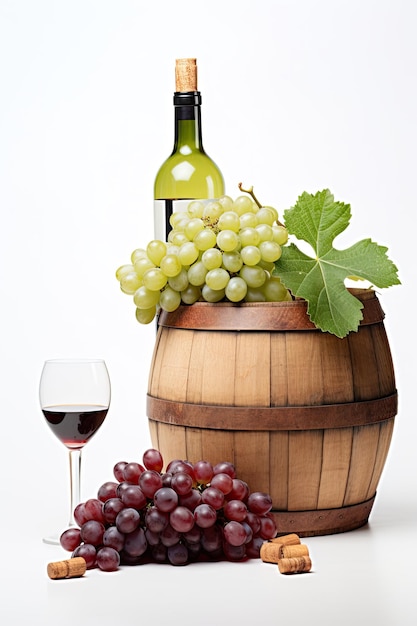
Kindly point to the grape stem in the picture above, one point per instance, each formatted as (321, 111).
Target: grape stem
(250, 192)
(255, 199)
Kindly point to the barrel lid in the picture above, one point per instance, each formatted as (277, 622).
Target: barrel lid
(276, 316)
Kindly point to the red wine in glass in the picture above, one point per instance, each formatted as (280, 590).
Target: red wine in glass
(75, 425)
(74, 396)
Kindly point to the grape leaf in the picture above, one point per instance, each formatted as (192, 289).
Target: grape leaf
(318, 219)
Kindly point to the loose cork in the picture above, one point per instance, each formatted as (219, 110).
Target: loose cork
(294, 565)
(185, 75)
(271, 552)
(70, 568)
(294, 550)
(288, 540)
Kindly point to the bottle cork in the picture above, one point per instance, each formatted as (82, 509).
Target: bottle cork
(294, 550)
(294, 565)
(185, 75)
(271, 552)
(70, 568)
(288, 540)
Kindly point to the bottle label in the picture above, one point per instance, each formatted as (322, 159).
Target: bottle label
(163, 209)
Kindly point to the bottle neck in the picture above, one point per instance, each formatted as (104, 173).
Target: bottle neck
(188, 133)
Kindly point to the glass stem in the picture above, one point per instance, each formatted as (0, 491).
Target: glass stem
(75, 483)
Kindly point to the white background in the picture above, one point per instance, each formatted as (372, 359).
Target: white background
(298, 96)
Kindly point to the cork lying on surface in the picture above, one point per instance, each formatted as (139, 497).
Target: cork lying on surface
(288, 552)
(295, 565)
(69, 568)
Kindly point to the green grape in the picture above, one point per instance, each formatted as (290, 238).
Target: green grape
(236, 289)
(217, 279)
(177, 238)
(191, 294)
(144, 298)
(143, 265)
(197, 274)
(130, 282)
(212, 258)
(267, 215)
(243, 204)
(226, 202)
(145, 316)
(254, 276)
(154, 279)
(212, 295)
(268, 266)
(180, 281)
(270, 251)
(170, 299)
(229, 220)
(195, 209)
(156, 250)
(176, 218)
(188, 253)
(280, 234)
(227, 240)
(172, 249)
(248, 220)
(139, 253)
(194, 226)
(205, 239)
(251, 255)
(265, 232)
(274, 290)
(123, 270)
(212, 212)
(232, 261)
(249, 236)
(255, 295)
(171, 265)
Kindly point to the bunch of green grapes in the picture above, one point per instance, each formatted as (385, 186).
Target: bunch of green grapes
(220, 250)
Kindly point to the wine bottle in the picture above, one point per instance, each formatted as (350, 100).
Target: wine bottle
(188, 173)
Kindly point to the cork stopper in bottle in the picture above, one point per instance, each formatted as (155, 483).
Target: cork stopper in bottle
(70, 568)
(185, 75)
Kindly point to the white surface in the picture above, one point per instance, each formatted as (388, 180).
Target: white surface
(297, 96)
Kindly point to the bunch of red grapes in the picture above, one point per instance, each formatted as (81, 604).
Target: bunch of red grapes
(189, 512)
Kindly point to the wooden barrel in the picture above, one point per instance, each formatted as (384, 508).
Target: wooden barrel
(304, 416)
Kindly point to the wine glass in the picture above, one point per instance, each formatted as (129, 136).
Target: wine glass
(74, 396)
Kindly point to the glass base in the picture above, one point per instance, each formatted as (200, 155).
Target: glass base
(51, 540)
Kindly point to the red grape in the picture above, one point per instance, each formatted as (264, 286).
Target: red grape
(152, 460)
(234, 533)
(222, 481)
(181, 519)
(205, 515)
(259, 502)
(70, 539)
(118, 470)
(165, 499)
(107, 491)
(108, 559)
(88, 552)
(111, 508)
(150, 481)
(92, 532)
(127, 520)
(203, 472)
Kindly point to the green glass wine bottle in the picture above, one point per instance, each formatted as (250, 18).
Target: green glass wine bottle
(188, 173)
